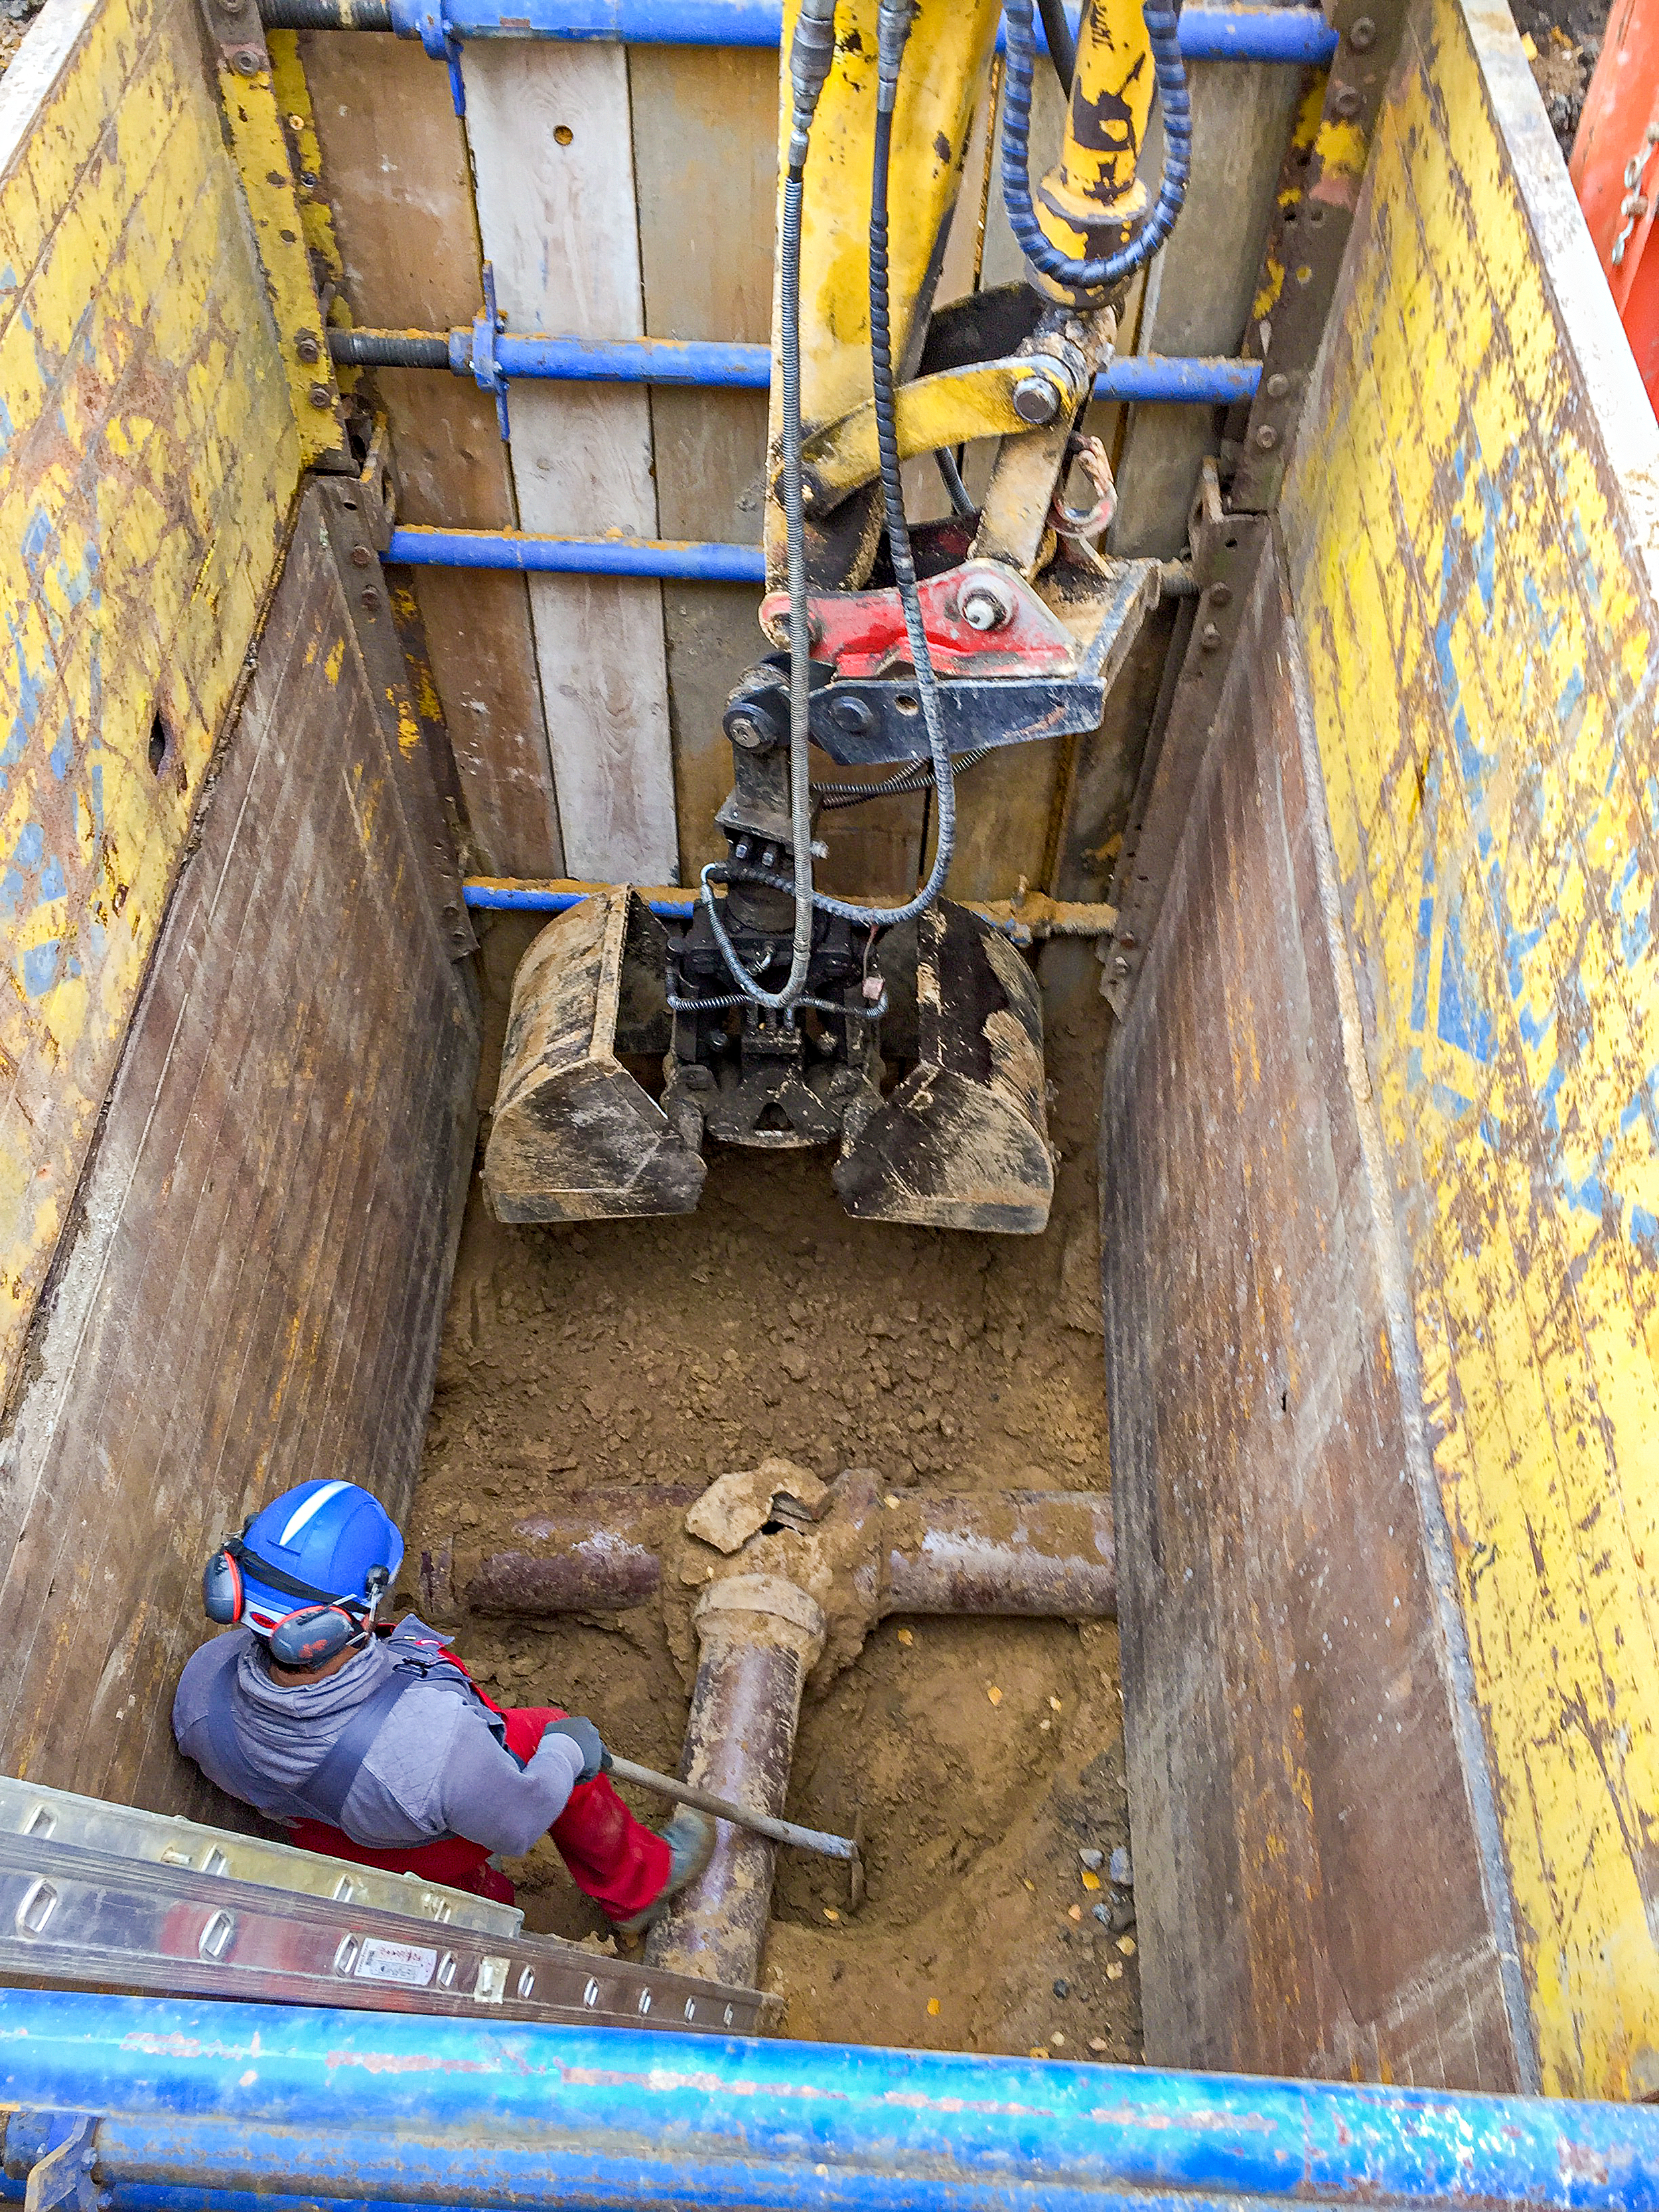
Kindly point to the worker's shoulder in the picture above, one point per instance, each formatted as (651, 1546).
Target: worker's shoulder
(206, 1664)
(218, 1655)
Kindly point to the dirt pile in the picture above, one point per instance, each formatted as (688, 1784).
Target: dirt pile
(980, 1757)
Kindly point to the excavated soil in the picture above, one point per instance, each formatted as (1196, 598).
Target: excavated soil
(983, 1758)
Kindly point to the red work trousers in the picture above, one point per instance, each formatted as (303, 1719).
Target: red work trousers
(612, 1857)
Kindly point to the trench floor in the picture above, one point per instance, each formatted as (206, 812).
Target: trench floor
(985, 1757)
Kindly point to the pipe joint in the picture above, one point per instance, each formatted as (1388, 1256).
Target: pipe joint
(767, 1607)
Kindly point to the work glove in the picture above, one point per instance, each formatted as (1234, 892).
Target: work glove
(586, 1737)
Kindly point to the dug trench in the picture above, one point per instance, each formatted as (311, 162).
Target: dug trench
(983, 1758)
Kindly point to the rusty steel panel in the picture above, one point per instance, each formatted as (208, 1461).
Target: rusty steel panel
(253, 1288)
(1310, 1882)
(148, 461)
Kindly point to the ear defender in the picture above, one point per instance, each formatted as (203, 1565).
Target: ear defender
(314, 1635)
(221, 1589)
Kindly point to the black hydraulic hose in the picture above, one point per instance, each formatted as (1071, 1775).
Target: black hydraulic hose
(961, 503)
(1063, 46)
(1044, 256)
(387, 349)
(893, 29)
(811, 55)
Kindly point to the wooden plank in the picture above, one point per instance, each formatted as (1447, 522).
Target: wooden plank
(395, 172)
(705, 157)
(255, 1290)
(549, 128)
(1311, 1880)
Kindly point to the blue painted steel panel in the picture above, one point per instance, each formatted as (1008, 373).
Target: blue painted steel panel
(223, 2106)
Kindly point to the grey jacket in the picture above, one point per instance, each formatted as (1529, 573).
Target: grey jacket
(437, 1767)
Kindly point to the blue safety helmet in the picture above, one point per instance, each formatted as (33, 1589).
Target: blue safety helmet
(308, 1571)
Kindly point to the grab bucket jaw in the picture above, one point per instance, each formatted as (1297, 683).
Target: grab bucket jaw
(963, 1141)
(575, 1137)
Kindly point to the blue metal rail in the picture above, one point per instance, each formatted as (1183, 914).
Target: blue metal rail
(229, 2107)
(1201, 380)
(1291, 34)
(672, 559)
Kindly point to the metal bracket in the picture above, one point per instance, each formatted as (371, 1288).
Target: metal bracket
(981, 619)
(1318, 192)
(860, 723)
(58, 2152)
(426, 20)
(1227, 550)
(266, 165)
(487, 372)
(986, 399)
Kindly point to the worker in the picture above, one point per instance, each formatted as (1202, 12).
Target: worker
(374, 1744)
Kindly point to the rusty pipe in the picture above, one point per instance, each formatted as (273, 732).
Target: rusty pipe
(758, 1636)
(600, 1552)
(1030, 1554)
(1027, 1553)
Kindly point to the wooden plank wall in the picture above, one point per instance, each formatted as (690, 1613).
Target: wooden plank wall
(395, 169)
(252, 1290)
(1474, 535)
(553, 167)
(148, 460)
(1313, 1891)
(655, 215)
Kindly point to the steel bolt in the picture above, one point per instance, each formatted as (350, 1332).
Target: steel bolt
(1363, 36)
(246, 64)
(1347, 102)
(371, 601)
(1209, 637)
(744, 730)
(308, 346)
(321, 398)
(361, 557)
(854, 715)
(1267, 437)
(981, 608)
(1221, 595)
(1278, 385)
(1120, 967)
(1035, 400)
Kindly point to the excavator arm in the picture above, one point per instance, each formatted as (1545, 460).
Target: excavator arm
(908, 1037)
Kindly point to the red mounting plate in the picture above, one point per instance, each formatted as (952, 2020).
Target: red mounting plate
(862, 633)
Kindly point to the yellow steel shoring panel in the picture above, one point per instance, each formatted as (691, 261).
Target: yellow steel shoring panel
(148, 461)
(1480, 646)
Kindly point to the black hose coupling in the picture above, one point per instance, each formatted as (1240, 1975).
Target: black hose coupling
(811, 52)
(892, 36)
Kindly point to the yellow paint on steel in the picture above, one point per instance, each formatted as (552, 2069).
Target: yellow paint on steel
(293, 97)
(946, 65)
(1481, 634)
(951, 409)
(1305, 137)
(149, 462)
(1092, 198)
(260, 147)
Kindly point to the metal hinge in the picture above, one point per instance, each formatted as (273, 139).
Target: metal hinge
(58, 2152)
